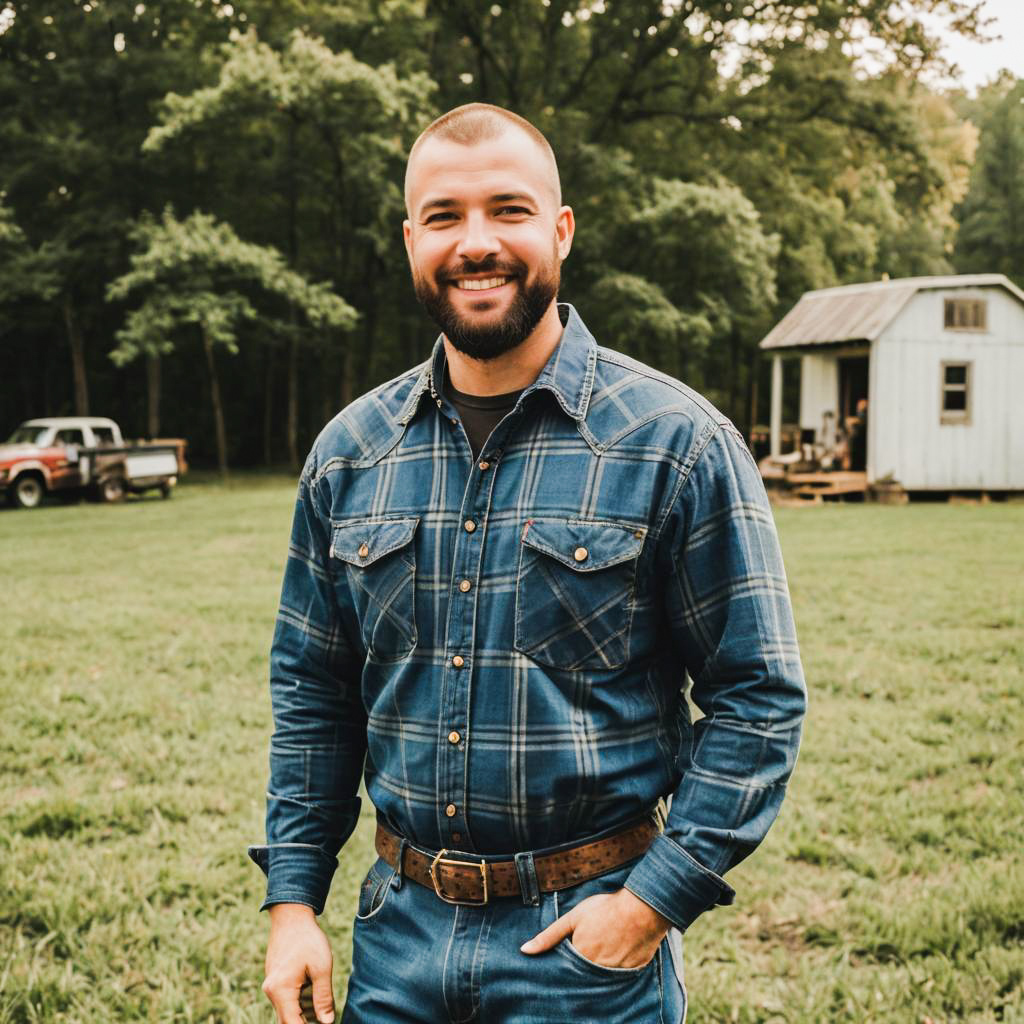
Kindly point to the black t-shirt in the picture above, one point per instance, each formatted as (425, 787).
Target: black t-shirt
(480, 414)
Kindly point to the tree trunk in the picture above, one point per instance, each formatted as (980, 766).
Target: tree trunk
(77, 344)
(268, 411)
(293, 403)
(153, 395)
(218, 409)
(347, 372)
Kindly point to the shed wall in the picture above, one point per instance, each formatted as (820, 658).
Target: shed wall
(906, 436)
(819, 389)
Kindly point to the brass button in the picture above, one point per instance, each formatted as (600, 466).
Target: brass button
(456, 837)
(464, 586)
(484, 464)
(450, 810)
(454, 737)
(638, 534)
(364, 550)
(458, 661)
(580, 554)
(470, 526)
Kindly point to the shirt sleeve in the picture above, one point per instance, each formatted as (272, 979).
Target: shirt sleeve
(732, 625)
(319, 741)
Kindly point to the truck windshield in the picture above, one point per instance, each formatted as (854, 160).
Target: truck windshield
(27, 435)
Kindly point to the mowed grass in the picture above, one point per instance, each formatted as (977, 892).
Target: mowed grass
(134, 719)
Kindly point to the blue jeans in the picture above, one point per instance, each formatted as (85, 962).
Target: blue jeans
(419, 960)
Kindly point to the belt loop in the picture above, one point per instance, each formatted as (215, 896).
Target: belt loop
(528, 885)
(396, 879)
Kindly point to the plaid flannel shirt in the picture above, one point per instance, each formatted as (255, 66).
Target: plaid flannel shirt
(501, 647)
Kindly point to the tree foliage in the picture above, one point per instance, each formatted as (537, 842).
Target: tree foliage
(721, 158)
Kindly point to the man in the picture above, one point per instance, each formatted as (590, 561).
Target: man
(503, 565)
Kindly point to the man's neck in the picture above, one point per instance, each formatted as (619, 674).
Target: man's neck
(512, 371)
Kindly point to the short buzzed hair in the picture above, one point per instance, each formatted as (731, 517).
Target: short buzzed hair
(473, 123)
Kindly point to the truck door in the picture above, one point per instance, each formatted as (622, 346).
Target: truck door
(64, 465)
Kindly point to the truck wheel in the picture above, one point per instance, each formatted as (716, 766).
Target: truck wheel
(28, 491)
(112, 489)
(166, 490)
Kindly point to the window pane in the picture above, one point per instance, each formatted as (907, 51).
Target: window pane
(956, 374)
(954, 401)
(950, 313)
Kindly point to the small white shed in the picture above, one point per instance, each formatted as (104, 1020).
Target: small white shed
(941, 362)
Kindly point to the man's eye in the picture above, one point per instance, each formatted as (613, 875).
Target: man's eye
(504, 210)
(434, 217)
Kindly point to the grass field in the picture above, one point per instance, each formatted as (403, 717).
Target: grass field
(134, 719)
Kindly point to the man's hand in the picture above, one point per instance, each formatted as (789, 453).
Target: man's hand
(610, 929)
(298, 950)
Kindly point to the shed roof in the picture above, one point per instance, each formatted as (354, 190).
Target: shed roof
(861, 312)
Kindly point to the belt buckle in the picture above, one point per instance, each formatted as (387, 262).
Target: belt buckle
(441, 859)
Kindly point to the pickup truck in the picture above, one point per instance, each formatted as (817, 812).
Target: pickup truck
(74, 456)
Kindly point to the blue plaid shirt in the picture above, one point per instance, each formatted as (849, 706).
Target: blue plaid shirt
(500, 647)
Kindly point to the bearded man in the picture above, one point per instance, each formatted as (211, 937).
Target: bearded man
(505, 565)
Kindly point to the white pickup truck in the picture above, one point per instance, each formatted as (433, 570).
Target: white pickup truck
(76, 455)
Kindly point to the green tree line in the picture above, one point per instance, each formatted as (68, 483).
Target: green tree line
(201, 201)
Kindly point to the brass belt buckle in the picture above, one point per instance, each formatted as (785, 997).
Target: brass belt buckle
(441, 859)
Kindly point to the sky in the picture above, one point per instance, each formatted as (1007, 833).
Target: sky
(980, 62)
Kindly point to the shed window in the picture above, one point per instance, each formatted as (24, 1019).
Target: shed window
(966, 314)
(956, 392)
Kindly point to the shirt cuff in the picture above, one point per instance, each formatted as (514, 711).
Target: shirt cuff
(668, 879)
(296, 873)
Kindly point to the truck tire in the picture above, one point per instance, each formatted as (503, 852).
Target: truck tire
(112, 489)
(28, 490)
(166, 490)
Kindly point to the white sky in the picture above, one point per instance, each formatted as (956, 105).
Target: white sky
(981, 62)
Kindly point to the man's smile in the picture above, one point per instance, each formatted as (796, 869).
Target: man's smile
(481, 284)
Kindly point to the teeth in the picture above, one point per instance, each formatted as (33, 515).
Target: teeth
(476, 286)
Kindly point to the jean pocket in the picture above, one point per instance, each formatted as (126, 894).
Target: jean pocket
(380, 577)
(600, 970)
(575, 592)
(374, 891)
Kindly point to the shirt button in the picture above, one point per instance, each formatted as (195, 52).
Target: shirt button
(464, 586)
(454, 737)
(450, 810)
(458, 661)
(456, 837)
(470, 526)
(580, 554)
(484, 464)
(364, 550)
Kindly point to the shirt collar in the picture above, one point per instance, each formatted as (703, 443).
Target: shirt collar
(568, 374)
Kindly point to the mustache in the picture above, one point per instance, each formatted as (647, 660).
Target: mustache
(491, 265)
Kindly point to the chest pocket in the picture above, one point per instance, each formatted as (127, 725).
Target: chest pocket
(575, 592)
(380, 569)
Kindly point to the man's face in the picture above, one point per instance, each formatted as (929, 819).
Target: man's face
(485, 239)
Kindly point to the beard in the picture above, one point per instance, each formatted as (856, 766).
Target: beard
(489, 340)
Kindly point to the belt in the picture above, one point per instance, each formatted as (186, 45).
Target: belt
(475, 882)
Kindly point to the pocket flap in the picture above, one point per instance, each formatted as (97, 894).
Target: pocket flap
(584, 545)
(363, 541)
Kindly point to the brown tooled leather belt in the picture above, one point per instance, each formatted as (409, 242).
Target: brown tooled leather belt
(456, 879)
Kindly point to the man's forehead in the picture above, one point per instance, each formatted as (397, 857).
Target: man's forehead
(510, 164)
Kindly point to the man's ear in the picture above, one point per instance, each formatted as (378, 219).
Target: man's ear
(407, 238)
(565, 229)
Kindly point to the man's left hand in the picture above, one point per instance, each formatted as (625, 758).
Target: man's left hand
(610, 929)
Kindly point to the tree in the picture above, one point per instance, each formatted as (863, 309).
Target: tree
(991, 238)
(199, 275)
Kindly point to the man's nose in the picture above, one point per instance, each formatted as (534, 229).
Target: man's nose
(478, 239)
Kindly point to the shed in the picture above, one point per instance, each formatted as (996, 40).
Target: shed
(940, 361)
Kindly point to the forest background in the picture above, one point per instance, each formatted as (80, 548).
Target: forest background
(201, 204)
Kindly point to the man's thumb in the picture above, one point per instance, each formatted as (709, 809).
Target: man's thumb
(323, 998)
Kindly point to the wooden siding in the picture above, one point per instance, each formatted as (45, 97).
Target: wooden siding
(907, 439)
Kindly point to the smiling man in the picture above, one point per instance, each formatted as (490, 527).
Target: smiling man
(505, 566)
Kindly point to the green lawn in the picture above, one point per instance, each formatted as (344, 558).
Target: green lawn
(134, 719)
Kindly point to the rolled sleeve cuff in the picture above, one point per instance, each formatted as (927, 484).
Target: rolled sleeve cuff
(668, 879)
(296, 873)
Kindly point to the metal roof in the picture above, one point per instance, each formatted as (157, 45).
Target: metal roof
(861, 312)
